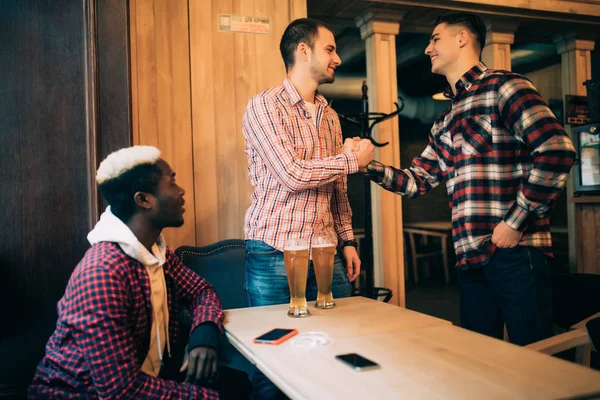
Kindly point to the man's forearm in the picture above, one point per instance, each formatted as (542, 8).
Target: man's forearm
(387, 177)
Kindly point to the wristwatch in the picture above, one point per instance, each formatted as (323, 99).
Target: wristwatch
(352, 243)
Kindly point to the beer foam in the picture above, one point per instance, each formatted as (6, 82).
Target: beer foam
(295, 248)
(322, 245)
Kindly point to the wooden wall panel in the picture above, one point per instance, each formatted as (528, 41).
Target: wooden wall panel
(226, 127)
(202, 30)
(224, 70)
(64, 99)
(163, 99)
(143, 49)
(174, 104)
(133, 72)
(44, 173)
(588, 238)
(114, 109)
(298, 9)
(245, 88)
(269, 63)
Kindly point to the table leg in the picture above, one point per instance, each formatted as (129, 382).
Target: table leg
(413, 253)
(445, 258)
(583, 354)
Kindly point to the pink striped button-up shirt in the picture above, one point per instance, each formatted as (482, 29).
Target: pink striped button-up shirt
(297, 169)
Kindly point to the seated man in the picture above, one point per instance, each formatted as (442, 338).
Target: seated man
(118, 318)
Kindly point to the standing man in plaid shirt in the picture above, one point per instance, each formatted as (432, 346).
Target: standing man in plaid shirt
(298, 166)
(505, 159)
(120, 313)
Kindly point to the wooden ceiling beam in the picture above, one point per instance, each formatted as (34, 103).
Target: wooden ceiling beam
(502, 8)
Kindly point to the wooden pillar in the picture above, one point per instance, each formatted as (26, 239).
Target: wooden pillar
(576, 68)
(298, 9)
(500, 36)
(576, 63)
(379, 30)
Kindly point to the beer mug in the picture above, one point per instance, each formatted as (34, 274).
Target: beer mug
(323, 252)
(295, 255)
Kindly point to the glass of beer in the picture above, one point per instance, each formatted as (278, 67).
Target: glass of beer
(323, 252)
(295, 255)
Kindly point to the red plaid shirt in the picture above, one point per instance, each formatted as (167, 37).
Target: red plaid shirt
(103, 330)
(297, 169)
(503, 156)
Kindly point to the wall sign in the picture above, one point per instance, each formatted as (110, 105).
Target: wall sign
(236, 23)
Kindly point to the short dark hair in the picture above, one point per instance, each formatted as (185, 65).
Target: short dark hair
(301, 30)
(119, 191)
(470, 21)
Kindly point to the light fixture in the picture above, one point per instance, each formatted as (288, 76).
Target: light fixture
(439, 96)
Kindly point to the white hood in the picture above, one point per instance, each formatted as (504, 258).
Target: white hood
(112, 229)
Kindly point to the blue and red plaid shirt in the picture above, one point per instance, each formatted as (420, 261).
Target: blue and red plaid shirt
(504, 157)
(103, 331)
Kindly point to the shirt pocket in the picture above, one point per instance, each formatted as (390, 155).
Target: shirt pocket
(477, 136)
(327, 135)
(302, 152)
(303, 146)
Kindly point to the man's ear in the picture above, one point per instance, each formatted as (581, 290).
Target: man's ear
(463, 38)
(303, 51)
(144, 200)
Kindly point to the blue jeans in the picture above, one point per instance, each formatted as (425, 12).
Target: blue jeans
(266, 278)
(510, 289)
(266, 284)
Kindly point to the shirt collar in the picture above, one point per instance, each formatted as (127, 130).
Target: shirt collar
(295, 97)
(466, 81)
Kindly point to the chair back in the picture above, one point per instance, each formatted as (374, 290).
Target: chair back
(593, 328)
(222, 265)
(574, 298)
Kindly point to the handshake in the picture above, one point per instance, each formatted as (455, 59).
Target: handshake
(364, 149)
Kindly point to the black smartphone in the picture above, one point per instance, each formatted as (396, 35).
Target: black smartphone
(275, 336)
(359, 363)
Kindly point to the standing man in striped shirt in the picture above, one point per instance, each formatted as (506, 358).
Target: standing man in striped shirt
(505, 159)
(298, 166)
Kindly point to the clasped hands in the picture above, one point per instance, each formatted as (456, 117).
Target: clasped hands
(364, 149)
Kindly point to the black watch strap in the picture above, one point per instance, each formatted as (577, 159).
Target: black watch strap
(352, 243)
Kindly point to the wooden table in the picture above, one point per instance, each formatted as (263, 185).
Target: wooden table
(352, 317)
(420, 357)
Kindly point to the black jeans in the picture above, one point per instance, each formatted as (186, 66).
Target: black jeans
(510, 289)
